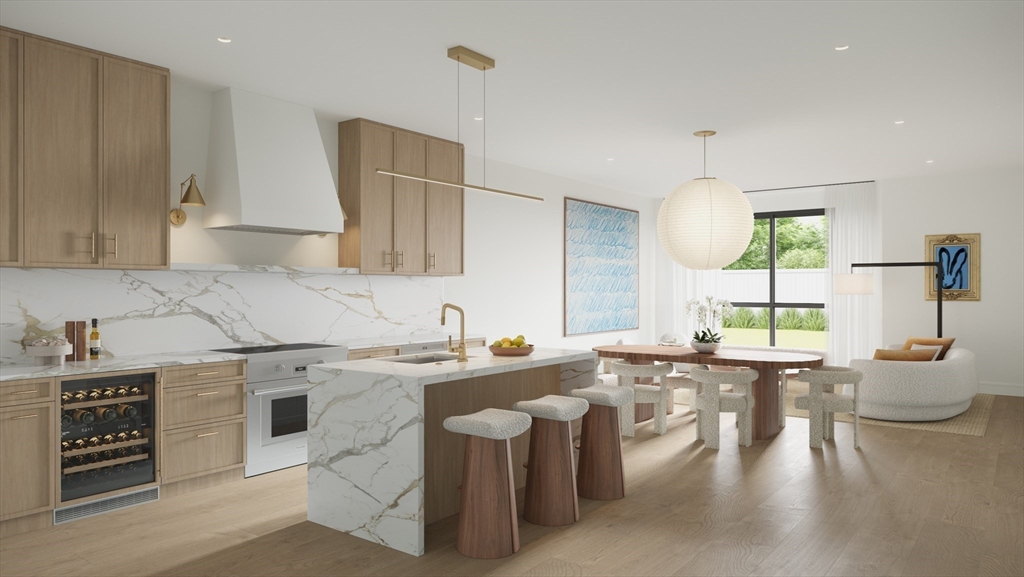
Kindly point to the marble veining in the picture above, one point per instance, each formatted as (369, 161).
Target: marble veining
(366, 438)
(144, 312)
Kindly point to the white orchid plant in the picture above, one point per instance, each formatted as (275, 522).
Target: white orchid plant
(708, 312)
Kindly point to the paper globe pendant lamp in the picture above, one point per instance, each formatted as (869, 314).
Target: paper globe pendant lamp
(705, 223)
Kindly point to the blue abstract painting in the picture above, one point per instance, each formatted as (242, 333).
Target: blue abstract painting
(955, 260)
(602, 268)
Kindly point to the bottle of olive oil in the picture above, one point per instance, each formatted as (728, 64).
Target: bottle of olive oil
(94, 341)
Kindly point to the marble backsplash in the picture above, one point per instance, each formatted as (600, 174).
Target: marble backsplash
(144, 312)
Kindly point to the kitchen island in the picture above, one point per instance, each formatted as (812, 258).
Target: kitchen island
(381, 466)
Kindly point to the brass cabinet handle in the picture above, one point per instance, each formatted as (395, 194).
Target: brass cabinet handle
(115, 246)
(388, 262)
(25, 392)
(206, 394)
(207, 374)
(433, 260)
(207, 434)
(24, 417)
(377, 356)
(401, 259)
(93, 245)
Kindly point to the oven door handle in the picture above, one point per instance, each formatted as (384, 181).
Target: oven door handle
(262, 392)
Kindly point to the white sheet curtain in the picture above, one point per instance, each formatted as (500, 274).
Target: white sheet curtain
(855, 321)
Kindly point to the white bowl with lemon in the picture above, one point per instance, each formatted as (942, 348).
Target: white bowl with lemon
(511, 347)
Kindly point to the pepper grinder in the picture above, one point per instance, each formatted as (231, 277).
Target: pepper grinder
(80, 341)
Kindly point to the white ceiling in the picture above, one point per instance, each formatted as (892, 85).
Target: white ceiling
(577, 83)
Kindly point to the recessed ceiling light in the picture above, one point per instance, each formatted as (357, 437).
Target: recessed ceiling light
(899, 122)
(929, 161)
(223, 39)
(841, 48)
(478, 118)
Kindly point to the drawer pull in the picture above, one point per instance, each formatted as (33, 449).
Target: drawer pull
(32, 392)
(207, 374)
(206, 394)
(207, 434)
(377, 356)
(24, 417)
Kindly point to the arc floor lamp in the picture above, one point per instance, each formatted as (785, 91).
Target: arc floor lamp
(863, 284)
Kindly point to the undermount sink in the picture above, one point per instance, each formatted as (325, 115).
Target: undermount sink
(422, 359)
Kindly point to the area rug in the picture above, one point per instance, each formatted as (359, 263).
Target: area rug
(973, 421)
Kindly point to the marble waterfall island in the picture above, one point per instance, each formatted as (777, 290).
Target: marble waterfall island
(381, 466)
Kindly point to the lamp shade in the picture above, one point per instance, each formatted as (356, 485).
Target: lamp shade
(192, 196)
(705, 224)
(853, 284)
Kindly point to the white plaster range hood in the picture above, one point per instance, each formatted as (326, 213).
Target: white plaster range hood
(267, 169)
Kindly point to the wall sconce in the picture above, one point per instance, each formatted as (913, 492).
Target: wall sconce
(190, 197)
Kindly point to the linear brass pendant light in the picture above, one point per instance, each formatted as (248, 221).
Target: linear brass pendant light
(464, 55)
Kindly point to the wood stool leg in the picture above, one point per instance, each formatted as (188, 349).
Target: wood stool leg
(550, 478)
(600, 474)
(488, 522)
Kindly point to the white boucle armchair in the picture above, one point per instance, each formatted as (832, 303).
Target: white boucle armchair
(917, 390)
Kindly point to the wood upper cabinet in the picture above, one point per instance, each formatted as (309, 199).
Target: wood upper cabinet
(136, 145)
(27, 459)
(11, 139)
(85, 154)
(63, 144)
(397, 225)
(444, 209)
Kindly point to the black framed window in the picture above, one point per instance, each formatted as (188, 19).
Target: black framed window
(777, 287)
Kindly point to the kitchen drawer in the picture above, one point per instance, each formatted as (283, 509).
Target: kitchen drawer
(196, 404)
(26, 391)
(373, 353)
(412, 349)
(201, 450)
(203, 373)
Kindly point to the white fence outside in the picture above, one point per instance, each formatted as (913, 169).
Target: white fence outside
(791, 285)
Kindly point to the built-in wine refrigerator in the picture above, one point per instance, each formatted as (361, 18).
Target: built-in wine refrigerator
(107, 439)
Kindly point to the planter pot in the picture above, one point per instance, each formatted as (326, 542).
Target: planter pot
(705, 348)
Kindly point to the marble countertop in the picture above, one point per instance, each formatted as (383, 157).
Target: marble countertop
(16, 372)
(373, 342)
(481, 363)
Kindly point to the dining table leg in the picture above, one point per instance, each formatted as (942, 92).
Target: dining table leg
(766, 405)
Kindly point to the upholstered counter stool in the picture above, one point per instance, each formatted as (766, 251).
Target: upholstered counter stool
(550, 472)
(823, 403)
(660, 394)
(711, 401)
(600, 474)
(488, 522)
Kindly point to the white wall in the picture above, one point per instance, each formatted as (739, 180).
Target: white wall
(514, 251)
(191, 106)
(990, 202)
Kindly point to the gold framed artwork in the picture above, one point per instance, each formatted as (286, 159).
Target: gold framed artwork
(960, 257)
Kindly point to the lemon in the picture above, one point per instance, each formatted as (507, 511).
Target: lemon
(506, 345)
(506, 340)
(519, 341)
(520, 337)
(496, 344)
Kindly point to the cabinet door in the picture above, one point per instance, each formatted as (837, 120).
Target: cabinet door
(63, 112)
(410, 204)
(444, 209)
(27, 458)
(135, 165)
(377, 200)
(11, 177)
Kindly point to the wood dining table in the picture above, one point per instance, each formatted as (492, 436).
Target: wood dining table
(769, 365)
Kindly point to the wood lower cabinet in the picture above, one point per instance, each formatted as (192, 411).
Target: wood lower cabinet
(203, 450)
(12, 179)
(203, 424)
(397, 225)
(27, 460)
(84, 157)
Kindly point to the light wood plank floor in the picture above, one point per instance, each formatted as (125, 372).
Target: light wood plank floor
(908, 503)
